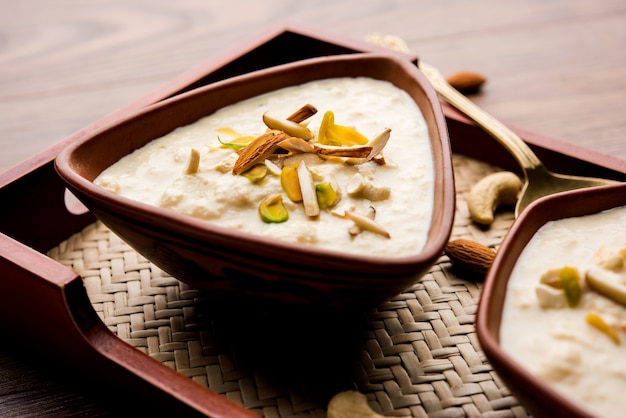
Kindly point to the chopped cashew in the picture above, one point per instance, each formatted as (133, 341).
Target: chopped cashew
(550, 297)
(194, 162)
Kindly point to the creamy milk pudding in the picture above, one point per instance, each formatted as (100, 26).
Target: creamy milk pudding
(354, 176)
(565, 310)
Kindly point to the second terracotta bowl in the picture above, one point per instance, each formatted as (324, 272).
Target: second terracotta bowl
(535, 392)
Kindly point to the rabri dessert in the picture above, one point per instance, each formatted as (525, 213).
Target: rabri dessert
(343, 163)
(564, 316)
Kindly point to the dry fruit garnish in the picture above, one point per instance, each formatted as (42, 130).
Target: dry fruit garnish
(596, 321)
(272, 210)
(307, 188)
(607, 283)
(303, 113)
(570, 283)
(377, 144)
(258, 150)
(366, 223)
(194, 162)
(339, 135)
(256, 173)
(359, 186)
(560, 287)
(327, 195)
(356, 229)
(290, 182)
(289, 127)
(269, 152)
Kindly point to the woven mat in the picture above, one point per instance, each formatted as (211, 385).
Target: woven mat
(415, 355)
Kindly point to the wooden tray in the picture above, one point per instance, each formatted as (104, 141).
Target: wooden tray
(45, 304)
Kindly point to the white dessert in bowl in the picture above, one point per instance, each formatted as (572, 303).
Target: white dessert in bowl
(208, 219)
(552, 314)
(403, 170)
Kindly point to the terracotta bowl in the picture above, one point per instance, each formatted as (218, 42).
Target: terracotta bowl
(535, 393)
(220, 259)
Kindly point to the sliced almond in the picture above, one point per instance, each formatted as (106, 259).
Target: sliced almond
(607, 283)
(356, 229)
(289, 127)
(377, 144)
(359, 151)
(302, 114)
(307, 188)
(296, 145)
(366, 223)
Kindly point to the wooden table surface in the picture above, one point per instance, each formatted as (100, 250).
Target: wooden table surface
(555, 67)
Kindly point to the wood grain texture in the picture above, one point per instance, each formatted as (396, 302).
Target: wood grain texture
(555, 67)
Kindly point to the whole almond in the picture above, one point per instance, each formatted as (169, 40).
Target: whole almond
(467, 81)
(470, 255)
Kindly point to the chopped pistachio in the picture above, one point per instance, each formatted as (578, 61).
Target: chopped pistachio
(570, 282)
(272, 210)
(256, 173)
(596, 321)
(327, 196)
(290, 182)
(333, 134)
(194, 162)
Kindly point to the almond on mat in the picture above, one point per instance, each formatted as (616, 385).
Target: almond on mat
(470, 255)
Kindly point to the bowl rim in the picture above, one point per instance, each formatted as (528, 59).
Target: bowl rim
(200, 230)
(579, 202)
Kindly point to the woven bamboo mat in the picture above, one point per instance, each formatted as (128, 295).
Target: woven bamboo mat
(415, 355)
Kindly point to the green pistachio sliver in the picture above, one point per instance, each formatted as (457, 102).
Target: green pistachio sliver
(256, 173)
(232, 145)
(272, 210)
(570, 282)
(327, 197)
(290, 182)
